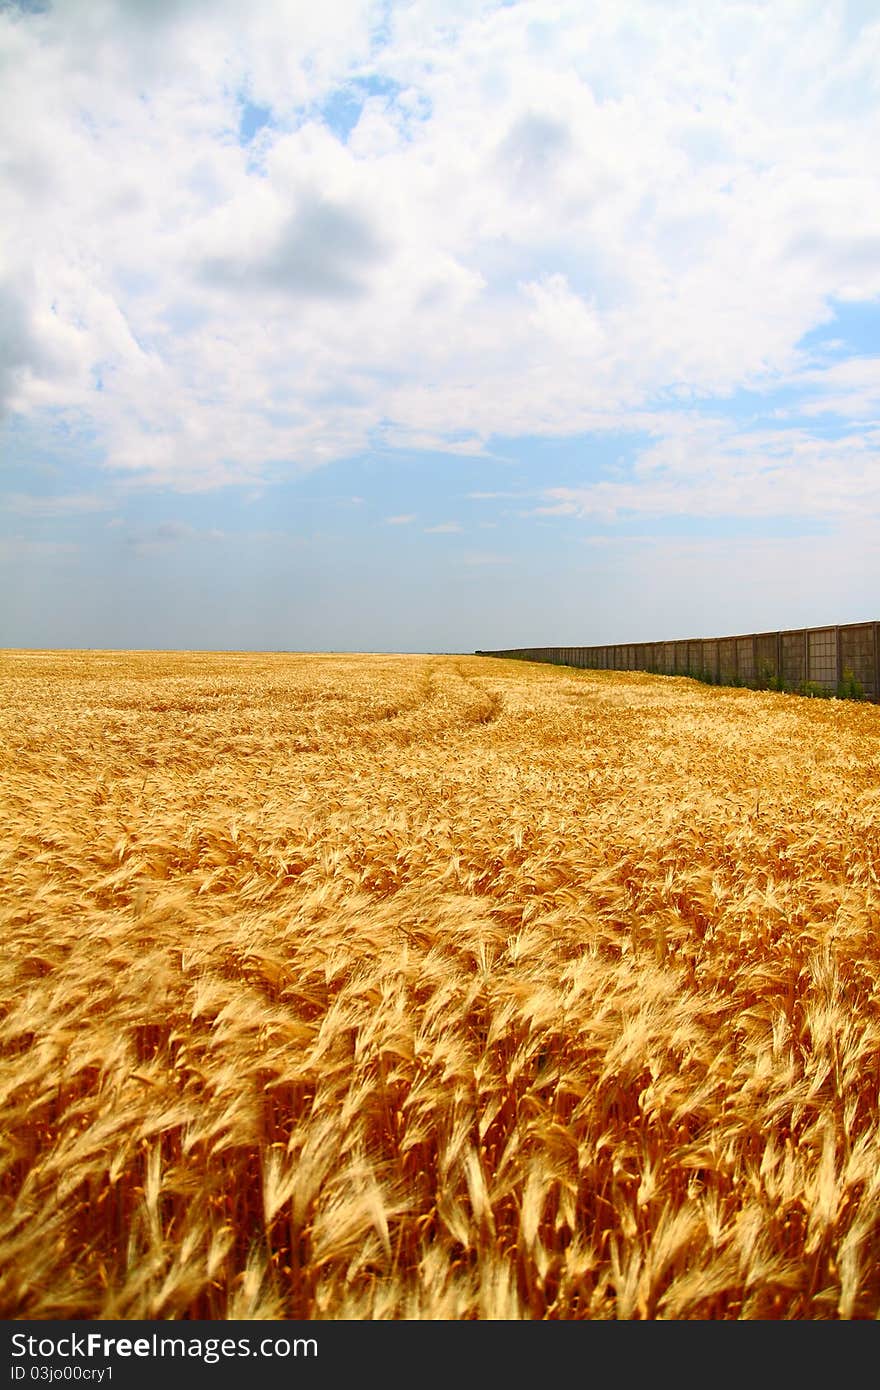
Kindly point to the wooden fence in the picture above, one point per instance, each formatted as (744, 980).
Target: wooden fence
(843, 661)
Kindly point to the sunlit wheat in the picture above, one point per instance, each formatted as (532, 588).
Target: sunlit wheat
(427, 987)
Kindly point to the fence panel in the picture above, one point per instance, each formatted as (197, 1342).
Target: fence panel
(822, 657)
(857, 661)
(794, 658)
(843, 659)
(727, 672)
(745, 659)
(766, 657)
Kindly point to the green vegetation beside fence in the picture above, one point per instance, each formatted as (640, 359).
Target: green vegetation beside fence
(841, 662)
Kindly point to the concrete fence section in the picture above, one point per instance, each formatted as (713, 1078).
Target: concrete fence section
(842, 660)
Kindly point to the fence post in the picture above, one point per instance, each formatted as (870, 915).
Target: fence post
(806, 655)
(838, 642)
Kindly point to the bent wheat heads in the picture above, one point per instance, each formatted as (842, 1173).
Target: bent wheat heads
(409, 987)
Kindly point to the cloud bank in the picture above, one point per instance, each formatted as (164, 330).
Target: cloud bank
(240, 243)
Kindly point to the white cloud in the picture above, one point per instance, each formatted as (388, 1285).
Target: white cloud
(445, 528)
(713, 469)
(400, 520)
(546, 216)
(849, 389)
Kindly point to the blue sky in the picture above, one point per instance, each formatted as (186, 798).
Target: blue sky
(436, 326)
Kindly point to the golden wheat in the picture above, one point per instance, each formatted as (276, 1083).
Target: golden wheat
(433, 988)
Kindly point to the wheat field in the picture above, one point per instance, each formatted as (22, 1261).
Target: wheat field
(412, 987)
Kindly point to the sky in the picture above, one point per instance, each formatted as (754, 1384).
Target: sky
(437, 325)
